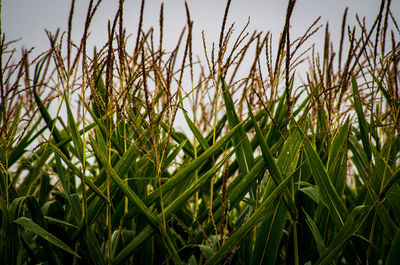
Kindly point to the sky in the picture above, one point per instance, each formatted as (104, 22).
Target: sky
(27, 19)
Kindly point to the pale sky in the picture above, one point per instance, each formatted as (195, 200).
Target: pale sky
(27, 19)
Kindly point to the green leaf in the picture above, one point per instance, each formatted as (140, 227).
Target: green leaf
(360, 159)
(9, 240)
(337, 160)
(99, 123)
(14, 125)
(94, 247)
(124, 187)
(33, 227)
(271, 164)
(393, 256)
(206, 250)
(327, 191)
(390, 184)
(173, 155)
(315, 232)
(351, 226)
(20, 148)
(43, 110)
(259, 215)
(234, 195)
(244, 154)
(172, 207)
(74, 131)
(364, 129)
(311, 192)
(185, 172)
(79, 173)
(269, 236)
(194, 129)
(338, 142)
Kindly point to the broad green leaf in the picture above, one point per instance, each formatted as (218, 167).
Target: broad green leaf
(390, 184)
(61, 222)
(364, 129)
(312, 192)
(315, 232)
(20, 148)
(207, 250)
(244, 154)
(350, 227)
(33, 227)
(43, 110)
(234, 195)
(124, 187)
(172, 207)
(94, 248)
(9, 240)
(268, 237)
(74, 131)
(388, 224)
(338, 142)
(327, 191)
(37, 218)
(194, 129)
(337, 159)
(393, 256)
(192, 166)
(271, 164)
(259, 215)
(100, 124)
(79, 173)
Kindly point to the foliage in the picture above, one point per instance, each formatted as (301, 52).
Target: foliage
(269, 172)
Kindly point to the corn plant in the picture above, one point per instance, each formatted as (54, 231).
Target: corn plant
(96, 170)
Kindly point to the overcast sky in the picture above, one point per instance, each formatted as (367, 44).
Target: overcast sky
(27, 19)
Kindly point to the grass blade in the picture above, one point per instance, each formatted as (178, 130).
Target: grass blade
(33, 227)
(255, 219)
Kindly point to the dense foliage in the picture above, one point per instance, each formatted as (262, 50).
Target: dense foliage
(272, 171)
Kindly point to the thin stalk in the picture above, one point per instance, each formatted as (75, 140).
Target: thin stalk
(196, 175)
(108, 145)
(164, 225)
(212, 180)
(125, 145)
(7, 185)
(216, 85)
(84, 195)
(108, 158)
(371, 236)
(295, 244)
(195, 143)
(83, 85)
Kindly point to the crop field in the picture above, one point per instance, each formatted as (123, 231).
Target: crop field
(95, 167)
